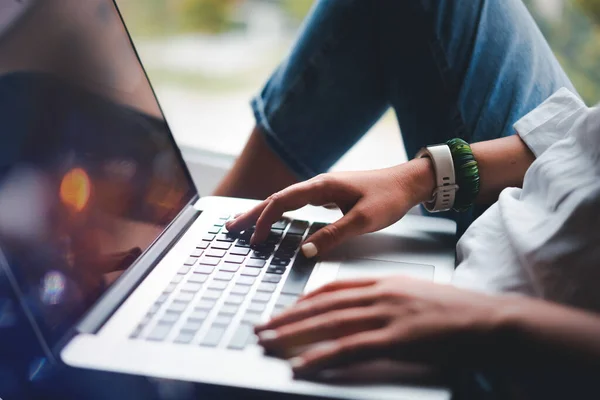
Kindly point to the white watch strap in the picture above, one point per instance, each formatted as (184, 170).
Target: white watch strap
(445, 192)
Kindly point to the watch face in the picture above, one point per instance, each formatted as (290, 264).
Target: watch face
(10, 12)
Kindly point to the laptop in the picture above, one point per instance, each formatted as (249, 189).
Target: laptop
(118, 263)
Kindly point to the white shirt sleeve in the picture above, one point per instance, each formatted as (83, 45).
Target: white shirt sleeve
(551, 121)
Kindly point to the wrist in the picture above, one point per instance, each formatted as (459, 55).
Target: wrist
(421, 178)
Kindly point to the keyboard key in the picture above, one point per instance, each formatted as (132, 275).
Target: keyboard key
(222, 320)
(260, 255)
(204, 269)
(315, 227)
(220, 223)
(213, 336)
(221, 245)
(208, 238)
(285, 253)
(281, 224)
(222, 237)
(235, 299)
(192, 327)
(212, 252)
(240, 289)
(291, 242)
(227, 267)
(169, 318)
(190, 261)
(240, 251)
(170, 288)
(250, 272)
(205, 304)
(280, 262)
(197, 253)
(224, 217)
(154, 308)
(162, 298)
(184, 270)
(276, 270)
(246, 280)
(272, 278)
(240, 337)
(202, 245)
(185, 337)
(224, 276)
(252, 318)
(228, 310)
(211, 295)
(136, 332)
(177, 279)
(191, 287)
(255, 263)
(262, 297)
(278, 309)
(184, 297)
(234, 259)
(243, 243)
(256, 307)
(267, 287)
(286, 300)
(159, 333)
(197, 278)
(209, 261)
(146, 320)
(198, 315)
(297, 228)
(214, 230)
(177, 307)
(218, 285)
(264, 248)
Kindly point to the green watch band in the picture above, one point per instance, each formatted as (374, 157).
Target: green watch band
(466, 172)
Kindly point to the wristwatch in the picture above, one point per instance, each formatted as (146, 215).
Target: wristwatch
(445, 192)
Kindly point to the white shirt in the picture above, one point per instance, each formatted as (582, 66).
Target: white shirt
(544, 239)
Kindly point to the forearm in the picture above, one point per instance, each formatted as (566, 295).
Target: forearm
(502, 163)
(257, 173)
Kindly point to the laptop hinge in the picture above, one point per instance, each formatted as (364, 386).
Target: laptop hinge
(126, 284)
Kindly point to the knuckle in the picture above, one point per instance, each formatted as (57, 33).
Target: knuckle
(329, 233)
(361, 218)
(322, 182)
(275, 197)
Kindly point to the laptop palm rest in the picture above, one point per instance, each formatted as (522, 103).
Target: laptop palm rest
(363, 268)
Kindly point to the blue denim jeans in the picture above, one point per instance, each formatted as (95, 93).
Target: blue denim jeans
(448, 68)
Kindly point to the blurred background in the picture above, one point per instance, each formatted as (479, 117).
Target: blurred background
(207, 58)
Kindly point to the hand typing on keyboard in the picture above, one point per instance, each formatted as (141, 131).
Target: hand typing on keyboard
(226, 286)
(370, 201)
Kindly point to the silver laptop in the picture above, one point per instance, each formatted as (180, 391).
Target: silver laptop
(119, 264)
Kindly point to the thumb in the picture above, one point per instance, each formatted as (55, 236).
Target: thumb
(352, 224)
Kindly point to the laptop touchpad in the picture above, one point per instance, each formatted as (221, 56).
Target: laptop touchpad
(365, 268)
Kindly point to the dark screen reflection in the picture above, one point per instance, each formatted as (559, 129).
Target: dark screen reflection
(89, 176)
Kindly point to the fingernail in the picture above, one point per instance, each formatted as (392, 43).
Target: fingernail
(296, 362)
(309, 250)
(266, 336)
(253, 239)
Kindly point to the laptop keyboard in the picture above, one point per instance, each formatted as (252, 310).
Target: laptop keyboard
(226, 286)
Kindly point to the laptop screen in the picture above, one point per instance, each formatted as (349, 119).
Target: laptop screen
(89, 172)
